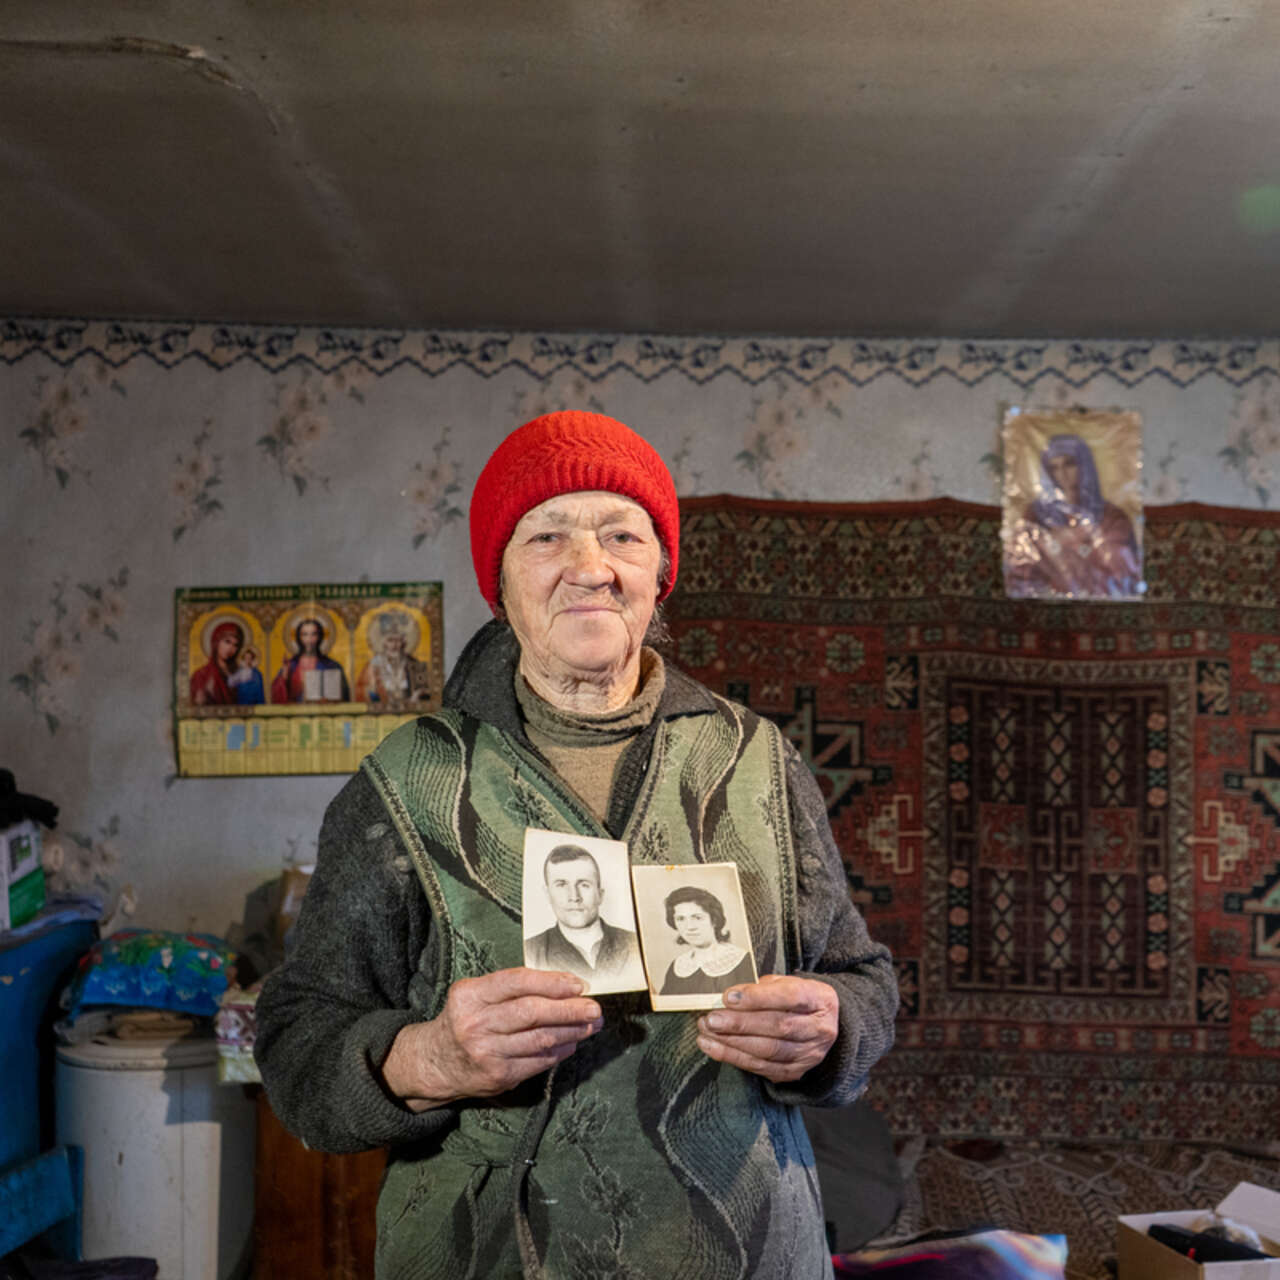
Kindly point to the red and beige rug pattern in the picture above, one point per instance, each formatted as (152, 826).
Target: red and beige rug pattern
(1063, 817)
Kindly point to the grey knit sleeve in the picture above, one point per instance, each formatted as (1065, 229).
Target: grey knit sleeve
(837, 950)
(327, 1017)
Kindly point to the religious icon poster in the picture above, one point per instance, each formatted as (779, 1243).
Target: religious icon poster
(1072, 504)
(301, 679)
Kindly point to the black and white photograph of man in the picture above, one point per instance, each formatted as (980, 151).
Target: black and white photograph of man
(579, 887)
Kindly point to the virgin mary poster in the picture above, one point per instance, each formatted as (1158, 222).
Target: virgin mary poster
(1072, 504)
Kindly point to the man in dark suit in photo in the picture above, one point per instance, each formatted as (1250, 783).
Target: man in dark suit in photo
(580, 941)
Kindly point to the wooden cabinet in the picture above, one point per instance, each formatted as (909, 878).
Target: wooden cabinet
(314, 1213)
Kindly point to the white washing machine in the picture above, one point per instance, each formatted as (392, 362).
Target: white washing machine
(168, 1153)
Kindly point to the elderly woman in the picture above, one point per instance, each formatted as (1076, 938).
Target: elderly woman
(535, 1131)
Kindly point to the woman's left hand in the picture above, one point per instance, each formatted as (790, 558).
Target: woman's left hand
(779, 1027)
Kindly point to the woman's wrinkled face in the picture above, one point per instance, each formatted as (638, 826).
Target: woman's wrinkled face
(579, 585)
(693, 924)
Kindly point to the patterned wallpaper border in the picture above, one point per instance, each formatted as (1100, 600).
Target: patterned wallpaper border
(701, 359)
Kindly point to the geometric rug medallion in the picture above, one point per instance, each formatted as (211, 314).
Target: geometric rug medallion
(1057, 799)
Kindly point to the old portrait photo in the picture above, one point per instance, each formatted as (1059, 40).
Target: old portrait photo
(694, 927)
(577, 910)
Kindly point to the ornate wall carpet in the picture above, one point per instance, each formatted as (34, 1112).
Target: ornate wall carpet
(1063, 817)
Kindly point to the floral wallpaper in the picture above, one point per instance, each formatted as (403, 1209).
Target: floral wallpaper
(437, 492)
(1252, 450)
(59, 416)
(196, 475)
(146, 456)
(58, 641)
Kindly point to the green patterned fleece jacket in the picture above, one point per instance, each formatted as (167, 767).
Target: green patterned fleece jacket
(638, 1156)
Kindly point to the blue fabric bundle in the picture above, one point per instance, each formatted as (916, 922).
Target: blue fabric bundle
(152, 969)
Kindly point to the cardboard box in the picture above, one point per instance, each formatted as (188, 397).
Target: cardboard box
(21, 874)
(1140, 1257)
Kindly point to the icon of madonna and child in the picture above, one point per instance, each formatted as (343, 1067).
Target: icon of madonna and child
(1065, 538)
(231, 676)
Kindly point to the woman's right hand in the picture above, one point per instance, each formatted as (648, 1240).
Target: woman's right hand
(493, 1033)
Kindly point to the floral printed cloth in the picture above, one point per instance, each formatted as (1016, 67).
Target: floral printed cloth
(153, 969)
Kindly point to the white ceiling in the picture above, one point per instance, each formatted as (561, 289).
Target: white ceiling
(1100, 168)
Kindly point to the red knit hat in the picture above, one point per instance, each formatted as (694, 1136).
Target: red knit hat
(567, 452)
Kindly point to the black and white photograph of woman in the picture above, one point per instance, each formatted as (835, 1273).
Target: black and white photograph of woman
(693, 926)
